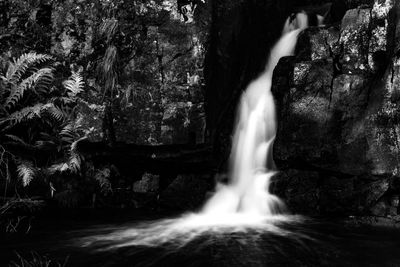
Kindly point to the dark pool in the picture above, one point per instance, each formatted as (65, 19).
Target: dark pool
(313, 242)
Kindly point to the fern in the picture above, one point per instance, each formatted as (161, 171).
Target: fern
(3, 83)
(19, 67)
(26, 114)
(56, 112)
(26, 172)
(102, 177)
(75, 158)
(23, 79)
(74, 85)
(36, 112)
(68, 133)
(46, 145)
(43, 85)
(39, 79)
(60, 167)
(16, 139)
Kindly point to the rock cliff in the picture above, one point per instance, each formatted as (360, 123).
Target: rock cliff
(337, 144)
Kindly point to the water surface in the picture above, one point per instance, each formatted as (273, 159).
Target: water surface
(306, 242)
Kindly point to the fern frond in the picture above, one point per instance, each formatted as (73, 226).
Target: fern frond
(16, 139)
(26, 172)
(41, 78)
(69, 132)
(74, 85)
(36, 112)
(26, 114)
(43, 85)
(46, 145)
(57, 113)
(19, 66)
(3, 87)
(75, 158)
(60, 167)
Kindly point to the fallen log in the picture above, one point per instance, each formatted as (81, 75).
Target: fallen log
(180, 158)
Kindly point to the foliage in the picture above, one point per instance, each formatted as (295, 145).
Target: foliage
(25, 22)
(16, 213)
(132, 59)
(36, 260)
(74, 85)
(24, 78)
(102, 176)
(48, 122)
(26, 172)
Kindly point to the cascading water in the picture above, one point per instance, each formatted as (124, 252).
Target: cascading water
(251, 163)
(245, 201)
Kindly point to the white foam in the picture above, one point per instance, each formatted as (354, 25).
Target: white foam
(247, 191)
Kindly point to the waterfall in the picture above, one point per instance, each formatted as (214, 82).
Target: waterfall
(251, 163)
(245, 202)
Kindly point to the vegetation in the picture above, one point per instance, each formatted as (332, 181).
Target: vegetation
(27, 103)
(103, 71)
(36, 260)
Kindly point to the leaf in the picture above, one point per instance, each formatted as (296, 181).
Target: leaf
(43, 85)
(60, 167)
(26, 172)
(16, 139)
(40, 78)
(57, 113)
(26, 114)
(75, 158)
(69, 133)
(74, 85)
(45, 145)
(20, 66)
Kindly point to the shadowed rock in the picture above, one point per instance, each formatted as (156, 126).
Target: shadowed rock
(338, 135)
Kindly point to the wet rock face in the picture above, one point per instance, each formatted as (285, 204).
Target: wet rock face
(338, 107)
(241, 34)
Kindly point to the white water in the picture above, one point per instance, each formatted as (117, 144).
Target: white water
(251, 163)
(245, 202)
